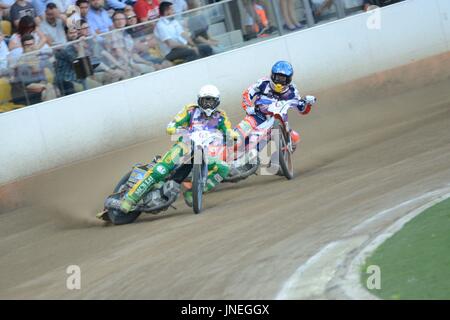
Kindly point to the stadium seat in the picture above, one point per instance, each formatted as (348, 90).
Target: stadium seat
(5, 96)
(5, 90)
(49, 75)
(6, 27)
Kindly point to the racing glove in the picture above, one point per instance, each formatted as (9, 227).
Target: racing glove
(310, 100)
(304, 107)
(171, 128)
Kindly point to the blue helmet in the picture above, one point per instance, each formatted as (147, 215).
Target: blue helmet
(281, 76)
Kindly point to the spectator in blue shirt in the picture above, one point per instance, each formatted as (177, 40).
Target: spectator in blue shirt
(39, 6)
(119, 4)
(98, 18)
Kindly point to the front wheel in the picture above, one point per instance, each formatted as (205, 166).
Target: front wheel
(197, 187)
(118, 217)
(285, 153)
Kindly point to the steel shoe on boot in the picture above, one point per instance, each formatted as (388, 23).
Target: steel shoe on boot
(188, 198)
(127, 205)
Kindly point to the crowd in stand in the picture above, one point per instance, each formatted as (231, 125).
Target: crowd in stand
(46, 37)
(43, 36)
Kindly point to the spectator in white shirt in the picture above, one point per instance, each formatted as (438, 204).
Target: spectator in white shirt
(174, 42)
(4, 51)
(53, 25)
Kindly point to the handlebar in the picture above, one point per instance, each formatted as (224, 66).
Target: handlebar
(200, 137)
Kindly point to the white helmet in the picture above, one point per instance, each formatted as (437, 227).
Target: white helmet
(208, 99)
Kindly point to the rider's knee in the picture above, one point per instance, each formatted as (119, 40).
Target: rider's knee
(160, 171)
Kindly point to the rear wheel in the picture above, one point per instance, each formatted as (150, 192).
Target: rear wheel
(284, 152)
(118, 217)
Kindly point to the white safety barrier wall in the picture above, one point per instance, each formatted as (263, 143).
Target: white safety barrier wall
(87, 124)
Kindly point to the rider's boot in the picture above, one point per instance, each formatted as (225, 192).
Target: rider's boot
(295, 137)
(218, 170)
(187, 193)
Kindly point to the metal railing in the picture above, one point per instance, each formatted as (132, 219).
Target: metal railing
(134, 50)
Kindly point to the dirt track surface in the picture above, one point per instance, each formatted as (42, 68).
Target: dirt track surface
(367, 146)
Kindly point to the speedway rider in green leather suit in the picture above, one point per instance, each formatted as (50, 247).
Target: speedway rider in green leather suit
(206, 115)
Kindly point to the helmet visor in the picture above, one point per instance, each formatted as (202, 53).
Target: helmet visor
(281, 79)
(208, 102)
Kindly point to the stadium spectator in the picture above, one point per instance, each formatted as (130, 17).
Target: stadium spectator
(150, 52)
(288, 12)
(263, 11)
(367, 5)
(371, 4)
(128, 10)
(78, 12)
(320, 7)
(39, 6)
(138, 30)
(179, 6)
(83, 6)
(198, 26)
(62, 5)
(122, 49)
(255, 21)
(65, 76)
(132, 20)
(19, 9)
(120, 36)
(27, 25)
(64, 72)
(53, 25)
(29, 84)
(117, 4)
(93, 48)
(4, 51)
(83, 28)
(250, 19)
(147, 10)
(5, 6)
(98, 18)
(145, 44)
(174, 42)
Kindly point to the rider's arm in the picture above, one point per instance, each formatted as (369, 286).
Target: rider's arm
(249, 95)
(182, 119)
(304, 105)
(225, 126)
